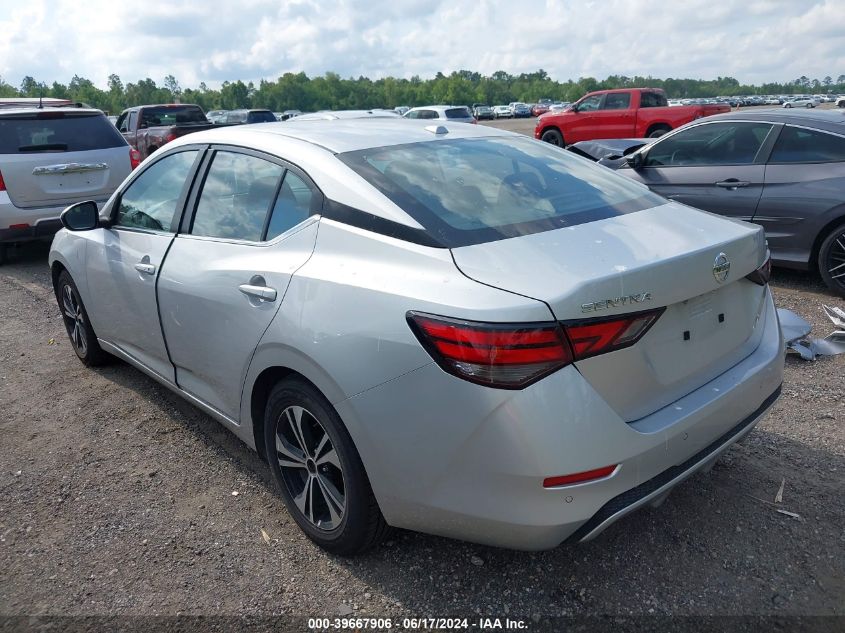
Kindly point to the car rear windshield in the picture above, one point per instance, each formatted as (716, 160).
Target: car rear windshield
(261, 116)
(172, 115)
(56, 132)
(458, 113)
(469, 191)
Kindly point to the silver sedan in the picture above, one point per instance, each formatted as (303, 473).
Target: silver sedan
(446, 328)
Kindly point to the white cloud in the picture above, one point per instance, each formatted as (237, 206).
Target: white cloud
(763, 40)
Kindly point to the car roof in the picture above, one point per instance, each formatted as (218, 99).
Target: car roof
(346, 114)
(347, 135)
(66, 111)
(438, 107)
(830, 120)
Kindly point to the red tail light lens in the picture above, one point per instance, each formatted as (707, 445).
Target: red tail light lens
(762, 275)
(171, 136)
(507, 355)
(134, 157)
(514, 355)
(599, 336)
(2, 183)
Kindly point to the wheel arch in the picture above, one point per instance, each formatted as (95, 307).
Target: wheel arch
(268, 368)
(837, 220)
(658, 125)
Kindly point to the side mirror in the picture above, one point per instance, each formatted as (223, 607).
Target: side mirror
(635, 160)
(82, 216)
(573, 107)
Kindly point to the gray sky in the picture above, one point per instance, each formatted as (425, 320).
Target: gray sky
(214, 40)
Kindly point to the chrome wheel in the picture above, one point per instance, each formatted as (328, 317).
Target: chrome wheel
(310, 468)
(74, 319)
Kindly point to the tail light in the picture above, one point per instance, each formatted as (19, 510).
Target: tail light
(171, 136)
(762, 275)
(514, 355)
(2, 183)
(579, 478)
(134, 157)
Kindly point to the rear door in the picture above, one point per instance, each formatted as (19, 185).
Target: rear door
(718, 167)
(55, 158)
(228, 270)
(125, 260)
(804, 191)
(615, 118)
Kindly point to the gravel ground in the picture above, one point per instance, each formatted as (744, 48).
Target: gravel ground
(120, 498)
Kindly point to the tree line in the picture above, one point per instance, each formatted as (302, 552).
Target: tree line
(331, 91)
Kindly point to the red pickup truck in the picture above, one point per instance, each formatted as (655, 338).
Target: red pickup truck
(628, 113)
(146, 128)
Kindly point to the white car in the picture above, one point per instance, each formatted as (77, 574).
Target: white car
(840, 102)
(800, 102)
(453, 114)
(502, 112)
(447, 328)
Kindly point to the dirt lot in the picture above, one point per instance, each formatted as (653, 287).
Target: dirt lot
(119, 498)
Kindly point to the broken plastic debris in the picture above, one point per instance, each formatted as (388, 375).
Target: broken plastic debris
(779, 495)
(795, 331)
(234, 493)
(789, 514)
(265, 536)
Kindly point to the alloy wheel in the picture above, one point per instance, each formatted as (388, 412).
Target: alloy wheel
(836, 260)
(74, 319)
(310, 467)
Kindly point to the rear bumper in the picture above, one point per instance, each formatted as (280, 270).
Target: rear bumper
(24, 225)
(451, 458)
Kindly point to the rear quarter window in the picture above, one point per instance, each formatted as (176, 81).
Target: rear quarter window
(800, 145)
(57, 132)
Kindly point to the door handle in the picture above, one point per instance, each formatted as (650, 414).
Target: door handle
(732, 183)
(260, 292)
(147, 269)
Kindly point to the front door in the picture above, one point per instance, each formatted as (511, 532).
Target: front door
(126, 263)
(711, 166)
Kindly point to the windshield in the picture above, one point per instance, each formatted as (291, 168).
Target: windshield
(468, 191)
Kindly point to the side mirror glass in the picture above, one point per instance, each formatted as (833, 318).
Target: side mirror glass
(635, 160)
(82, 216)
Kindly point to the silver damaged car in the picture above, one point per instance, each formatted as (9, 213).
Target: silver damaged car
(447, 328)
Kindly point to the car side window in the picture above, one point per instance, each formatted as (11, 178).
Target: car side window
(293, 205)
(123, 123)
(652, 100)
(799, 145)
(149, 202)
(590, 103)
(725, 143)
(133, 116)
(236, 197)
(617, 101)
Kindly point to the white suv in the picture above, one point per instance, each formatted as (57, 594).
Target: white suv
(51, 158)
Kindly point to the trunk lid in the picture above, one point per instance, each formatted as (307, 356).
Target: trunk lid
(659, 257)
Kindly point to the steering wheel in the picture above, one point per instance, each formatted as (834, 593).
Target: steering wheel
(680, 157)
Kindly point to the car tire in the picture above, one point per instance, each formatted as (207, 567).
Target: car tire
(787, 105)
(831, 260)
(78, 325)
(658, 131)
(3, 253)
(552, 136)
(318, 470)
